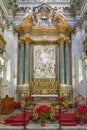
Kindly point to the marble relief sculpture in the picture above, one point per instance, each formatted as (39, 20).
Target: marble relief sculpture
(44, 17)
(44, 61)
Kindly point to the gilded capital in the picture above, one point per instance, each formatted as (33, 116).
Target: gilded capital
(21, 41)
(27, 40)
(67, 40)
(61, 39)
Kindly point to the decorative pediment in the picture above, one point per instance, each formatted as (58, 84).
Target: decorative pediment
(45, 18)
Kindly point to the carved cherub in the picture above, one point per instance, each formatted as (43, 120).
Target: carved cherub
(28, 12)
(50, 17)
(38, 19)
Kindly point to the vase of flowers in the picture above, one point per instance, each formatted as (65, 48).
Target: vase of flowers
(43, 112)
(81, 113)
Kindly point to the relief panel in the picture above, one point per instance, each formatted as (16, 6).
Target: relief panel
(44, 62)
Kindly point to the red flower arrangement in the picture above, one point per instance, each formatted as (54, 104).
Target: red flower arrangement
(17, 105)
(43, 112)
(81, 112)
(28, 100)
(60, 100)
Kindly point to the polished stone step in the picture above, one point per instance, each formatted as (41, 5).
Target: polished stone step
(47, 127)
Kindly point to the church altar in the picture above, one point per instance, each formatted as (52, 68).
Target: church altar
(44, 54)
(44, 98)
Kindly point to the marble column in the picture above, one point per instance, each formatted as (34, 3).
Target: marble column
(27, 46)
(21, 62)
(15, 64)
(67, 62)
(57, 62)
(61, 61)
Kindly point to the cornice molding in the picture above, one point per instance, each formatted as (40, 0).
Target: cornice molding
(59, 38)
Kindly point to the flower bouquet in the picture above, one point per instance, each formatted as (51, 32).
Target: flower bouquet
(81, 112)
(43, 112)
(17, 105)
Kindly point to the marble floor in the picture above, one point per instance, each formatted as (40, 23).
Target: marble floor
(38, 127)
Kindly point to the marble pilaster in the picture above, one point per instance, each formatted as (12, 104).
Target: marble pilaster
(27, 61)
(22, 61)
(67, 62)
(61, 59)
(57, 62)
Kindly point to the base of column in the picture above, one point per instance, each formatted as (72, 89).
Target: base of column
(65, 90)
(25, 84)
(65, 85)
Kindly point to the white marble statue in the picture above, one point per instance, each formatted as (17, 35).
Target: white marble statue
(28, 12)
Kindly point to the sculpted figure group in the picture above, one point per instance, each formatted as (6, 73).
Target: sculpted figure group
(46, 17)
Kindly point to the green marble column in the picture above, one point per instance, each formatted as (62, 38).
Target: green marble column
(26, 62)
(21, 62)
(61, 63)
(67, 63)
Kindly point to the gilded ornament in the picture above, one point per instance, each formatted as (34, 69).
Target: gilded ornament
(67, 40)
(21, 42)
(61, 39)
(85, 42)
(3, 42)
(27, 40)
(43, 23)
(64, 85)
(44, 87)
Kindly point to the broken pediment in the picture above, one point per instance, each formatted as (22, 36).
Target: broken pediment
(43, 17)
